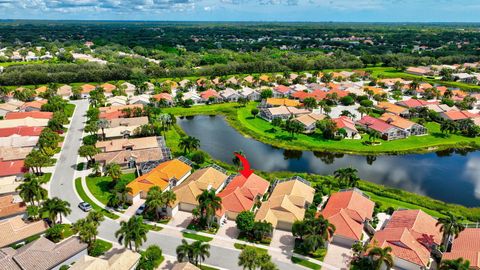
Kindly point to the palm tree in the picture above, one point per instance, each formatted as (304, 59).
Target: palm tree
(154, 200)
(123, 191)
(189, 143)
(208, 204)
(87, 231)
(31, 190)
(114, 171)
(200, 250)
(103, 124)
(55, 207)
(236, 160)
(96, 170)
(317, 231)
(381, 256)
(168, 198)
(347, 176)
(133, 230)
(450, 226)
(185, 252)
(248, 259)
(95, 217)
(458, 264)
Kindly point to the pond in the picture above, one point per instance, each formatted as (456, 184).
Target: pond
(451, 176)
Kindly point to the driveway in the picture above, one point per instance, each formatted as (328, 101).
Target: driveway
(338, 256)
(181, 219)
(283, 240)
(228, 230)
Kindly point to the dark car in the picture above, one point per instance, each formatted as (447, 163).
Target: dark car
(85, 206)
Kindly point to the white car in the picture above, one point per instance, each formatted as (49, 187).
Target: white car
(85, 206)
(140, 210)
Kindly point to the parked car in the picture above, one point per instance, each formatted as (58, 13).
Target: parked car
(85, 206)
(140, 210)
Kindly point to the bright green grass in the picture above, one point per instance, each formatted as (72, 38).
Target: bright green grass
(243, 246)
(101, 187)
(153, 228)
(99, 248)
(204, 267)
(69, 109)
(305, 263)
(396, 204)
(197, 237)
(202, 109)
(85, 198)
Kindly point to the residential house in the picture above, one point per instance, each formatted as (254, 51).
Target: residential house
(455, 115)
(108, 88)
(392, 108)
(282, 91)
(212, 177)
(21, 136)
(440, 108)
(128, 144)
(86, 89)
(15, 230)
(420, 71)
(122, 127)
(210, 95)
(387, 131)
(43, 254)
(412, 235)
(275, 102)
(242, 193)
(65, 91)
(287, 203)
(249, 94)
(166, 175)
(349, 211)
(27, 121)
(281, 112)
(229, 95)
(117, 101)
(464, 77)
(118, 111)
(164, 96)
(193, 95)
(123, 259)
(415, 103)
(11, 206)
(184, 266)
(8, 107)
(14, 153)
(309, 121)
(466, 246)
(348, 125)
(32, 114)
(129, 88)
(411, 128)
(35, 105)
(40, 90)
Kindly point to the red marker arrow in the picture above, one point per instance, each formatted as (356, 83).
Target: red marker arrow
(246, 172)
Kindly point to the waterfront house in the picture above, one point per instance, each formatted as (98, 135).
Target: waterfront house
(411, 128)
(349, 211)
(275, 102)
(229, 95)
(249, 94)
(348, 125)
(210, 95)
(242, 193)
(166, 175)
(412, 235)
(387, 131)
(458, 115)
(309, 121)
(282, 112)
(287, 203)
(466, 246)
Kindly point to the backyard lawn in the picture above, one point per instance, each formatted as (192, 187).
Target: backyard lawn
(101, 187)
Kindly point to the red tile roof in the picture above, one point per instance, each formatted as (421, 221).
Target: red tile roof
(344, 122)
(165, 96)
(8, 206)
(14, 167)
(459, 115)
(375, 124)
(22, 131)
(467, 246)
(240, 194)
(348, 210)
(209, 93)
(33, 114)
(414, 103)
(34, 104)
(282, 89)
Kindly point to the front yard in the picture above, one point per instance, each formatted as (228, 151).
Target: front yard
(101, 187)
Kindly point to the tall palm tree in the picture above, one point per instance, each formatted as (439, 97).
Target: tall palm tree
(95, 217)
(201, 251)
(450, 226)
(54, 208)
(458, 264)
(169, 197)
(208, 204)
(188, 144)
(248, 258)
(347, 176)
(87, 231)
(317, 231)
(103, 124)
(381, 256)
(155, 200)
(114, 171)
(31, 190)
(133, 230)
(185, 252)
(123, 191)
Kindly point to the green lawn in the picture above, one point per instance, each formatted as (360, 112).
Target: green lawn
(154, 228)
(243, 246)
(101, 187)
(99, 248)
(204, 267)
(305, 263)
(197, 237)
(69, 109)
(85, 198)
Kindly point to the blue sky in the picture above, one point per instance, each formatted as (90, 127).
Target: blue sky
(246, 10)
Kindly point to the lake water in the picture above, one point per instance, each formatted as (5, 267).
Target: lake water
(450, 176)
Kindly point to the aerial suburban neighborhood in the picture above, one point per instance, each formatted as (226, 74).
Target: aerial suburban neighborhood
(184, 145)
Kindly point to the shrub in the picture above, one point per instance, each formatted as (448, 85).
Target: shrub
(55, 233)
(347, 100)
(366, 103)
(198, 157)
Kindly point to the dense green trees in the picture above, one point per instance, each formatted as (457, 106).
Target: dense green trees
(132, 231)
(194, 253)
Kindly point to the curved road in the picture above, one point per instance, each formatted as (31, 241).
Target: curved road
(62, 186)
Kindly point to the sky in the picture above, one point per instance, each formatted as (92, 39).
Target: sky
(245, 10)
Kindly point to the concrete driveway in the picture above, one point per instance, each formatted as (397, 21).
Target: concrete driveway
(283, 240)
(181, 219)
(338, 256)
(228, 230)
